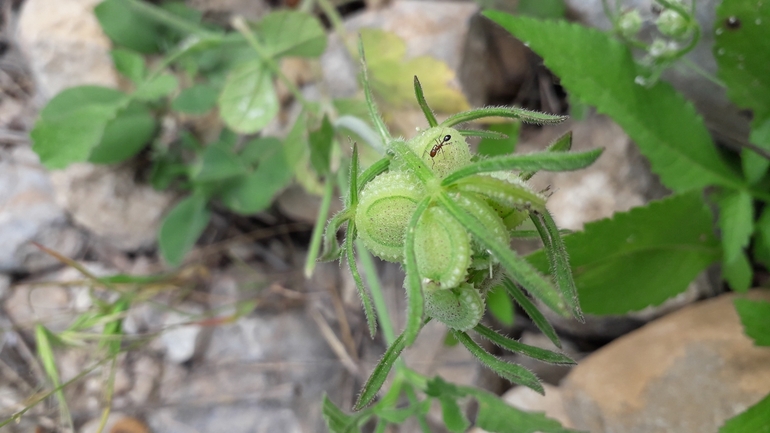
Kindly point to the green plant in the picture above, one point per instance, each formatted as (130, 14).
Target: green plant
(675, 241)
(447, 216)
(202, 69)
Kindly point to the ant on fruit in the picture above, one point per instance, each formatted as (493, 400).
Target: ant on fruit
(439, 145)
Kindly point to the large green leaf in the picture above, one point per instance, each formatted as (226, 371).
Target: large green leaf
(755, 316)
(641, 257)
(181, 228)
(755, 419)
(73, 123)
(600, 71)
(248, 101)
(255, 191)
(291, 33)
(198, 99)
(736, 220)
(742, 51)
(125, 135)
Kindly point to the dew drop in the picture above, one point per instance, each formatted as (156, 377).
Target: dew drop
(758, 21)
(721, 51)
(719, 31)
(733, 23)
(640, 80)
(740, 66)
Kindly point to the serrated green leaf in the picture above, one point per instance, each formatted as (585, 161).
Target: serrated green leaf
(738, 273)
(248, 101)
(338, 421)
(129, 63)
(156, 88)
(742, 52)
(255, 191)
(182, 227)
(524, 349)
(755, 317)
(755, 419)
(754, 165)
(292, 33)
(736, 221)
(641, 257)
(500, 305)
(542, 8)
(198, 99)
(127, 28)
(492, 147)
(601, 71)
(512, 372)
(321, 146)
(124, 136)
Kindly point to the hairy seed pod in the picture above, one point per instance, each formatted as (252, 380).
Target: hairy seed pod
(478, 208)
(460, 308)
(385, 206)
(442, 248)
(443, 149)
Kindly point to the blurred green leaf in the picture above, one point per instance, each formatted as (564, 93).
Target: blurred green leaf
(600, 70)
(500, 305)
(338, 421)
(255, 191)
(742, 52)
(542, 8)
(454, 418)
(755, 419)
(755, 317)
(736, 220)
(738, 273)
(125, 135)
(248, 101)
(156, 88)
(127, 28)
(218, 163)
(73, 123)
(490, 147)
(182, 227)
(641, 257)
(129, 63)
(198, 99)
(321, 146)
(292, 33)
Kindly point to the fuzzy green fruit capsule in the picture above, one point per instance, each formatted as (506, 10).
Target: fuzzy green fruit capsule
(443, 149)
(442, 248)
(460, 308)
(385, 206)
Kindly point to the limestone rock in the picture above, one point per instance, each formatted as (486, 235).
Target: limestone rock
(110, 203)
(686, 372)
(64, 45)
(28, 212)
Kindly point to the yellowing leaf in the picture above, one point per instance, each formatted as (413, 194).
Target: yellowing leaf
(391, 74)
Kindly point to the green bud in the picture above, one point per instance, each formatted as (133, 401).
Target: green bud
(443, 149)
(671, 24)
(630, 23)
(460, 308)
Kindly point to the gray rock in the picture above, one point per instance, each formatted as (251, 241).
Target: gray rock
(111, 204)
(64, 45)
(686, 372)
(179, 338)
(29, 213)
(264, 373)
